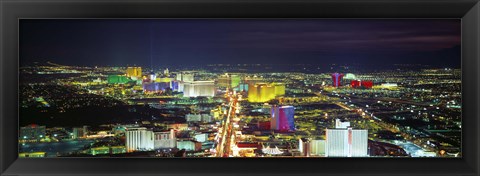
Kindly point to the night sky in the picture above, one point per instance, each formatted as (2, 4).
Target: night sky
(177, 42)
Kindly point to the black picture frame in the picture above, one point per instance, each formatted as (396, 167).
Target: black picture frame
(12, 10)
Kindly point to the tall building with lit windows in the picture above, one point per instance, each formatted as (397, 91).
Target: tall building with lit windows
(139, 139)
(346, 142)
(134, 72)
(337, 79)
(282, 118)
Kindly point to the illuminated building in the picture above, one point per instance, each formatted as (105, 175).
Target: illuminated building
(282, 118)
(165, 79)
(337, 79)
(361, 84)
(201, 137)
(155, 87)
(252, 80)
(134, 72)
(346, 142)
(199, 89)
(166, 72)
(350, 76)
(261, 92)
(317, 147)
(158, 79)
(153, 76)
(170, 81)
(117, 79)
(139, 139)
(279, 89)
(32, 133)
(175, 86)
(228, 80)
(185, 77)
(304, 146)
(165, 139)
(189, 145)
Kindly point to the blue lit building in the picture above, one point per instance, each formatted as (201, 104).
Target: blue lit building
(155, 87)
(282, 118)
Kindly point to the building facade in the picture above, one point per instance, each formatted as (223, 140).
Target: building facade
(346, 142)
(165, 139)
(282, 118)
(199, 89)
(139, 139)
(134, 72)
(337, 79)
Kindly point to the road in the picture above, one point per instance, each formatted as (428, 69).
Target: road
(226, 140)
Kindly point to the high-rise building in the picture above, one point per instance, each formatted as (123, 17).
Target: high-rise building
(346, 142)
(134, 72)
(229, 81)
(32, 133)
(337, 79)
(304, 147)
(282, 118)
(139, 139)
(199, 89)
(165, 139)
(261, 92)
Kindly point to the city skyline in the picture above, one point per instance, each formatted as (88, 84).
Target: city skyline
(190, 42)
(240, 88)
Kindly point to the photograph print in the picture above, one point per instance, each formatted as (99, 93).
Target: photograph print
(281, 88)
